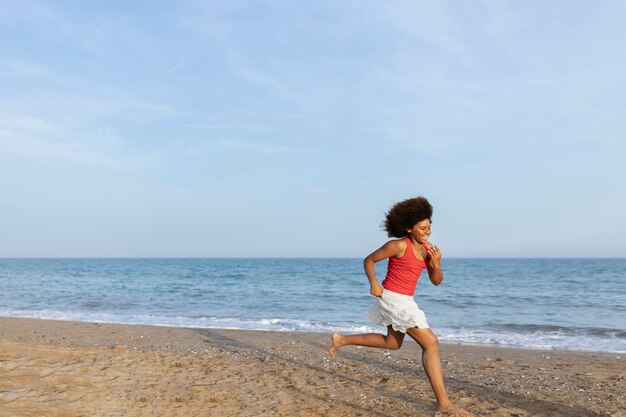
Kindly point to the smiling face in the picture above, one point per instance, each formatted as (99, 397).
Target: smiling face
(420, 231)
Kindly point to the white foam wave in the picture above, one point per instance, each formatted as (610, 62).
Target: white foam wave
(465, 336)
(533, 340)
(274, 324)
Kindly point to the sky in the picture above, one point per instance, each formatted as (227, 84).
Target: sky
(288, 129)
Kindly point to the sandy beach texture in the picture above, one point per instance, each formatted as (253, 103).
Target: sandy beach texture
(69, 369)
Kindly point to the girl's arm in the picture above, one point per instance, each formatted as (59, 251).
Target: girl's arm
(433, 264)
(389, 249)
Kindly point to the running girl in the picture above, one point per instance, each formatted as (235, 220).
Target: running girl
(409, 255)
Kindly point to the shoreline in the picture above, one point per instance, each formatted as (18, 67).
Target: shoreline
(440, 332)
(65, 368)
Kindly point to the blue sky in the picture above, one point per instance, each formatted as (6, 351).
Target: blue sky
(281, 128)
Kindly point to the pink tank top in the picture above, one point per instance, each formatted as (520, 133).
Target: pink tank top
(403, 272)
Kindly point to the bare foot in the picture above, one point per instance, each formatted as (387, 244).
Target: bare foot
(453, 410)
(336, 344)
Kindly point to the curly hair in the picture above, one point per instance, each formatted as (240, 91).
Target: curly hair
(405, 214)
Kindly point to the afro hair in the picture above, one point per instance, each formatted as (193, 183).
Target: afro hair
(405, 214)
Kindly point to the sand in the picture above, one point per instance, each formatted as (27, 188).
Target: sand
(69, 369)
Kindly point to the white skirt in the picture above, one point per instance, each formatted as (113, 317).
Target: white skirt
(398, 310)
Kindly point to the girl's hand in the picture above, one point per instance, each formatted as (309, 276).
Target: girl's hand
(433, 254)
(434, 259)
(376, 290)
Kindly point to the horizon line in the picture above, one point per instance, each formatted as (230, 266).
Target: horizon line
(295, 257)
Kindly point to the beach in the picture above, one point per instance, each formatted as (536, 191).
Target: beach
(71, 369)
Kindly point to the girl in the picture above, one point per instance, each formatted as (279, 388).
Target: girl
(394, 307)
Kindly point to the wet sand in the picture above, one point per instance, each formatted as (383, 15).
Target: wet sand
(70, 369)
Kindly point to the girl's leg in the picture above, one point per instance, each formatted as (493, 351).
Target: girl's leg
(432, 365)
(393, 340)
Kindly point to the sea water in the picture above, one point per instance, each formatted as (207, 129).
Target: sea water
(568, 304)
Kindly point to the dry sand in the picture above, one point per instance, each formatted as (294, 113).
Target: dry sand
(69, 369)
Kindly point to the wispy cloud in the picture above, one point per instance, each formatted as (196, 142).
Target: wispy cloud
(210, 22)
(230, 126)
(254, 76)
(29, 12)
(70, 109)
(258, 147)
(78, 129)
(98, 34)
(175, 67)
(431, 23)
(143, 111)
(315, 190)
(21, 68)
(38, 140)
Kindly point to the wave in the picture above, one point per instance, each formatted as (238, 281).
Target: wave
(235, 323)
(538, 337)
(559, 330)
(504, 335)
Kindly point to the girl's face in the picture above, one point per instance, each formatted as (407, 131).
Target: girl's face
(420, 231)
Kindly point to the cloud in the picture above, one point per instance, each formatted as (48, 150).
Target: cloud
(99, 34)
(430, 23)
(230, 126)
(254, 76)
(21, 68)
(70, 151)
(29, 12)
(212, 24)
(262, 148)
(143, 111)
(314, 190)
(44, 140)
(69, 109)
(174, 68)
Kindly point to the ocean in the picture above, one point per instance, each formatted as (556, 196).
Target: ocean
(560, 304)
